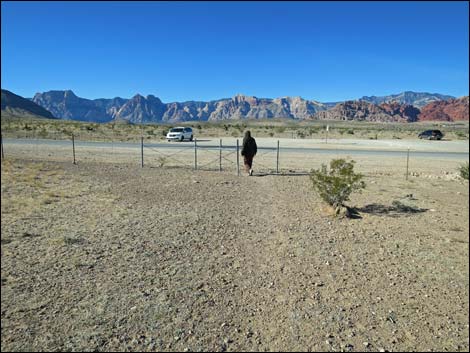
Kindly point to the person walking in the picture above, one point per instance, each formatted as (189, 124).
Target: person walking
(249, 150)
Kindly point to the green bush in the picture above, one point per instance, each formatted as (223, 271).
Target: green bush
(463, 169)
(312, 131)
(335, 185)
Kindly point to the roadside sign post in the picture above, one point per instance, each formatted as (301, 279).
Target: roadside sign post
(327, 129)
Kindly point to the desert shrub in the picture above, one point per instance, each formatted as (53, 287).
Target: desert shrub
(463, 169)
(43, 133)
(271, 134)
(280, 129)
(335, 185)
(300, 134)
(312, 131)
(461, 134)
(161, 161)
(241, 127)
(350, 132)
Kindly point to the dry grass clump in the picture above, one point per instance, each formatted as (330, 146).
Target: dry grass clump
(28, 186)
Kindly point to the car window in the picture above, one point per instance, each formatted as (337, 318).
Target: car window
(176, 129)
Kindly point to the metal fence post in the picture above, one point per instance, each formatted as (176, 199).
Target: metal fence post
(238, 159)
(73, 148)
(407, 162)
(220, 156)
(195, 154)
(1, 140)
(277, 159)
(142, 151)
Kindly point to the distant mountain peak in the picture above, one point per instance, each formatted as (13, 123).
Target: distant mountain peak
(417, 99)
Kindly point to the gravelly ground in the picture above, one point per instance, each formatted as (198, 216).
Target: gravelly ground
(111, 257)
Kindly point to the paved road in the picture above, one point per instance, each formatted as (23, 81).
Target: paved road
(349, 147)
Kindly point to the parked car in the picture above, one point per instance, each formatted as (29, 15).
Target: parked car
(431, 135)
(180, 134)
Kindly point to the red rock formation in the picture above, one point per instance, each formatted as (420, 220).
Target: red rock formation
(404, 111)
(451, 110)
(361, 110)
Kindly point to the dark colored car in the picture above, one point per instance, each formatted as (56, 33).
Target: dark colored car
(431, 135)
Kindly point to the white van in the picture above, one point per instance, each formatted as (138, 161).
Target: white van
(180, 134)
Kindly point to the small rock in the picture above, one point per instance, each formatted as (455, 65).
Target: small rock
(366, 344)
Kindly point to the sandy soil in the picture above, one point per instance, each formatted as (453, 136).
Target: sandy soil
(106, 256)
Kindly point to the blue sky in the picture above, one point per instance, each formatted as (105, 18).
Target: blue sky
(328, 51)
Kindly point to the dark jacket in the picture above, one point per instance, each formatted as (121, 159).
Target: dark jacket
(249, 147)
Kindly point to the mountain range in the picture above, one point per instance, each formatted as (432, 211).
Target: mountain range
(417, 99)
(140, 109)
(406, 107)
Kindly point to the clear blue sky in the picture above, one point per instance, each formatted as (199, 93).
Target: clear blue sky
(179, 51)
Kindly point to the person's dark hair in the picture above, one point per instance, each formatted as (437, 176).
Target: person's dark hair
(247, 135)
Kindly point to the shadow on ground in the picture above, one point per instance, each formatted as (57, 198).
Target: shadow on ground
(397, 209)
(260, 174)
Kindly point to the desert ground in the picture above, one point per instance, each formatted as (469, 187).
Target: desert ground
(105, 255)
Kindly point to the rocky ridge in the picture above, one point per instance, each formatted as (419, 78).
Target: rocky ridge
(150, 109)
(19, 106)
(365, 111)
(451, 110)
